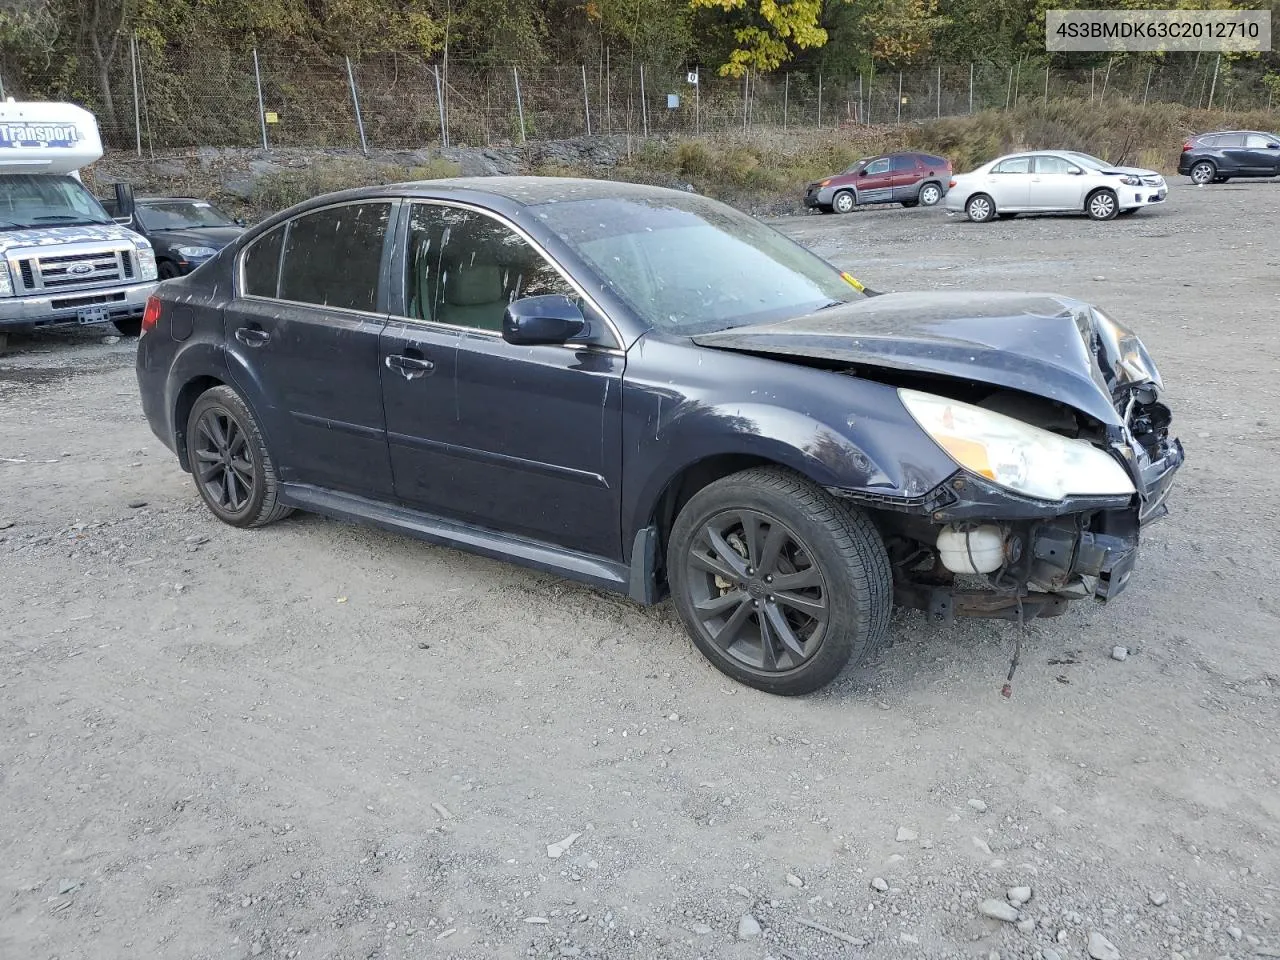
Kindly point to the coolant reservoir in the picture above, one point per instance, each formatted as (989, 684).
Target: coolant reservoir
(972, 549)
(56, 138)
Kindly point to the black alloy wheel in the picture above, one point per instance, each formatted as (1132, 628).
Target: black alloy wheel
(233, 471)
(778, 584)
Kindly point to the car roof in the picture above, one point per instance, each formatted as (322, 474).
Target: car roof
(533, 191)
(1219, 133)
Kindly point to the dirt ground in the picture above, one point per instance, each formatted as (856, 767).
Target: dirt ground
(321, 741)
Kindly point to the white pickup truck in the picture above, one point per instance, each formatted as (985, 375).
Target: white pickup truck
(63, 259)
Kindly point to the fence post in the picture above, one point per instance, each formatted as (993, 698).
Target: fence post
(586, 100)
(697, 101)
(1106, 78)
(1147, 89)
(1046, 84)
(786, 91)
(262, 114)
(515, 73)
(971, 86)
(1214, 86)
(939, 85)
(1008, 90)
(1092, 71)
(355, 99)
(819, 99)
(137, 102)
(746, 96)
(899, 96)
(644, 107)
(444, 129)
(862, 107)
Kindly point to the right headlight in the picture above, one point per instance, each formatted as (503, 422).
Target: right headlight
(1014, 454)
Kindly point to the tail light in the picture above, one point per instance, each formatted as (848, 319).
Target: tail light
(951, 184)
(151, 315)
(1186, 146)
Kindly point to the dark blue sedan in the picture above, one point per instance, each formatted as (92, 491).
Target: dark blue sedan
(651, 392)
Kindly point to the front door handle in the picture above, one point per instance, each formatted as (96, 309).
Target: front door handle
(409, 367)
(252, 336)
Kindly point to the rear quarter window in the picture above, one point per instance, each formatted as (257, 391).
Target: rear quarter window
(262, 265)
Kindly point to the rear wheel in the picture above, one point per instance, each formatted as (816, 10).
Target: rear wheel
(779, 584)
(233, 470)
(930, 194)
(843, 202)
(1203, 172)
(980, 208)
(1102, 205)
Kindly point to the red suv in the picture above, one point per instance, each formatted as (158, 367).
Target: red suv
(911, 179)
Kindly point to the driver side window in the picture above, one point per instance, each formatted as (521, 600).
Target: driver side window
(463, 268)
(1257, 141)
(878, 166)
(1055, 165)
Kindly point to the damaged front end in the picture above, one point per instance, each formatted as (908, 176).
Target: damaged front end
(979, 546)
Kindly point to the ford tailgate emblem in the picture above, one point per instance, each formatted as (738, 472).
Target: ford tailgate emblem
(80, 269)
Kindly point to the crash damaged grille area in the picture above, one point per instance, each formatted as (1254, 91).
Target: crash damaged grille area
(57, 272)
(1148, 421)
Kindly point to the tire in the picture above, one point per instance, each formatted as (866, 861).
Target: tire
(930, 195)
(220, 408)
(844, 202)
(167, 270)
(130, 327)
(910, 203)
(980, 208)
(1202, 172)
(837, 608)
(1006, 216)
(1102, 205)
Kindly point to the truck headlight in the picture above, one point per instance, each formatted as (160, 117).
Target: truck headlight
(1014, 454)
(196, 253)
(147, 263)
(6, 280)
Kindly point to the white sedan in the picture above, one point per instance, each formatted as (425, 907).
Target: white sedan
(1053, 181)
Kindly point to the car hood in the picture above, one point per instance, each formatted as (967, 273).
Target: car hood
(215, 237)
(1129, 171)
(1041, 344)
(54, 235)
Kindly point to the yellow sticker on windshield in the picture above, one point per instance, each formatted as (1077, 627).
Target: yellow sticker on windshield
(853, 282)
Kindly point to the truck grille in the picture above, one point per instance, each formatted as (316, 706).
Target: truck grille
(57, 272)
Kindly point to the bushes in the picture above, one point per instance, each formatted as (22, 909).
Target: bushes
(277, 191)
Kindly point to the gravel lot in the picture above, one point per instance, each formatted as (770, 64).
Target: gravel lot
(321, 741)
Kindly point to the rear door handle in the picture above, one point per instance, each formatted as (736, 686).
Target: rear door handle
(252, 336)
(409, 367)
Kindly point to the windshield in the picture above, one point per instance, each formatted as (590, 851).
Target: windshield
(30, 200)
(181, 215)
(855, 167)
(1089, 161)
(690, 265)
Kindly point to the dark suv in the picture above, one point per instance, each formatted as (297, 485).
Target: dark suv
(1217, 157)
(911, 179)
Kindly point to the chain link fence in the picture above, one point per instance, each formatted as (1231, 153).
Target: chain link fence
(162, 99)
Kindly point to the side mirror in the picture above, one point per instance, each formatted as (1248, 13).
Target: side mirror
(548, 319)
(1273, 145)
(1076, 172)
(862, 172)
(241, 222)
(124, 202)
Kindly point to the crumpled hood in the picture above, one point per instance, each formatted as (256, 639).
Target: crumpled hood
(54, 235)
(1041, 344)
(1132, 171)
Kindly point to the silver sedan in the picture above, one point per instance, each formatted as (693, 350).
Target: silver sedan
(1053, 181)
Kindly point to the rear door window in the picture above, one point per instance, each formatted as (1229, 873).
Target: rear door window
(262, 265)
(903, 164)
(1013, 165)
(333, 257)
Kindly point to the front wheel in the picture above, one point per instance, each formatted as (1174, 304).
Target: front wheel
(779, 584)
(233, 470)
(1102, 205)
(843, 202)
(930, 194)
(980, 208)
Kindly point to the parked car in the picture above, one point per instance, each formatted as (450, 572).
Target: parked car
(911, 179)
(1053, 181)
(184, 231)
(649, 391)
(1217, 157)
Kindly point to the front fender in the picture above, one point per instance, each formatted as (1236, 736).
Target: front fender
(839, 431)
